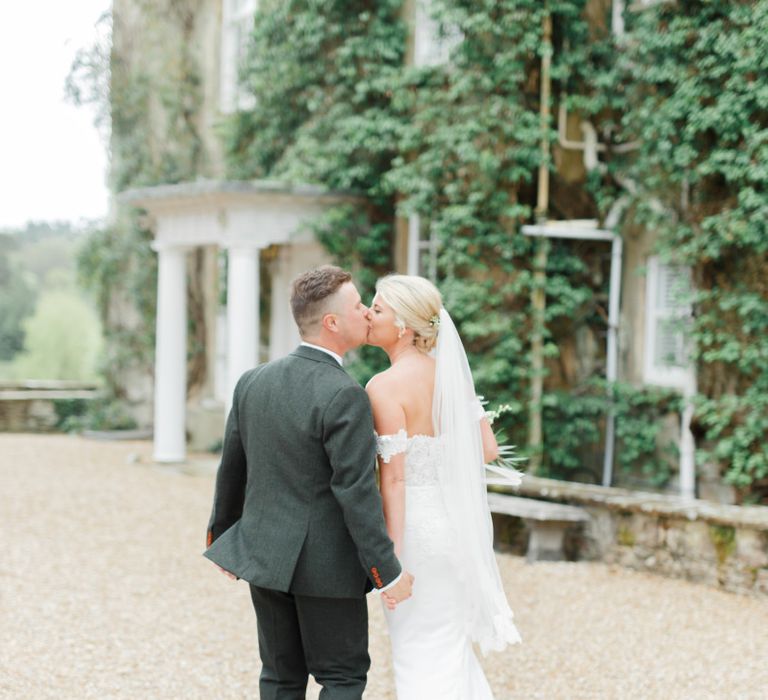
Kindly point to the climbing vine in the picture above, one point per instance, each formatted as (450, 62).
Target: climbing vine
(699, 106)
(459, 144)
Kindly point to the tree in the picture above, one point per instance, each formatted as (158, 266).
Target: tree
(17, 301)
(63, 339)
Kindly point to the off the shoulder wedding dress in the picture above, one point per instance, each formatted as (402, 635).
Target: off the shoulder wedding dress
(432, 632)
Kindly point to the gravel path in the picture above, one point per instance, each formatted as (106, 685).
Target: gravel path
(104, 594)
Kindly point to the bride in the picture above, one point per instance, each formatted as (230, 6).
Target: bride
(432, 441)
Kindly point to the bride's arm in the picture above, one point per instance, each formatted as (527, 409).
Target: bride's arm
(490, 446)
(389, 419)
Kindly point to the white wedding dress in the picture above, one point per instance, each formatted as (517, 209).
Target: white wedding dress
(431, 639)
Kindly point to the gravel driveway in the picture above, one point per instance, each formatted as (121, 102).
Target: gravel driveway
(104, 594)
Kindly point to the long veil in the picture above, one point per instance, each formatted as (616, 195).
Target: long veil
(489, 620)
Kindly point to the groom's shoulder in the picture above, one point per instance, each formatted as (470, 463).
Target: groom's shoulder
(263, 372)
(318, 370)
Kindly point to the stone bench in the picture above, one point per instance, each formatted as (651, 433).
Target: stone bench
(547, 523)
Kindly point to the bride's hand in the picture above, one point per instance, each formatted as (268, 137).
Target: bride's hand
(400, 591)
(228, 574)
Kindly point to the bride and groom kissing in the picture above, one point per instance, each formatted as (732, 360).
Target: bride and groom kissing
(298, 515)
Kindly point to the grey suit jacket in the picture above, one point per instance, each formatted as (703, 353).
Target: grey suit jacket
(296, 506)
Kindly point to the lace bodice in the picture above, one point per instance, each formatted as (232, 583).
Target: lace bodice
(422, 455)
(422, 452)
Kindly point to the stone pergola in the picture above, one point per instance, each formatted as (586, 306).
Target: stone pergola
(242, 218)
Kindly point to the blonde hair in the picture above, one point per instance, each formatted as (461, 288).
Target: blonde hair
(416, 303)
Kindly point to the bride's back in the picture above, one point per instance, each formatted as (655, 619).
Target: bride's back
(411, 383)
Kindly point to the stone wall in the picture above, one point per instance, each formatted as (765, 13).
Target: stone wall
(30, 407)
(720, 545)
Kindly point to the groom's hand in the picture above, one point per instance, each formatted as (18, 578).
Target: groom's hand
(400, 591)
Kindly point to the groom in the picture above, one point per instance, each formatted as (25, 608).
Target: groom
(296, 511)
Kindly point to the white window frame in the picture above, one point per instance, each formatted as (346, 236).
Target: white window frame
(431, 46)
(617, 11)
(422, 249)
(236, 26)
(676, 377)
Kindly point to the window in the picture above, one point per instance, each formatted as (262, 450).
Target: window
(422, 249)
(618, 8)
(237, 25)
(667, 348)
(432, 43)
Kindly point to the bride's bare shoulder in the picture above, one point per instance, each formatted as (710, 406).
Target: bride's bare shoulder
(381, 382)
(398, 378)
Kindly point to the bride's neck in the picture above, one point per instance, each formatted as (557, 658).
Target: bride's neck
(400, 350)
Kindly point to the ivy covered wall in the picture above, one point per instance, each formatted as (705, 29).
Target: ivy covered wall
(698, 102)
(459, 144)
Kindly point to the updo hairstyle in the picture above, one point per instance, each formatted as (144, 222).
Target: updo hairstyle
(416, 303)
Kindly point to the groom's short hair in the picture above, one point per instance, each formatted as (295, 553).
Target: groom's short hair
(310, 292)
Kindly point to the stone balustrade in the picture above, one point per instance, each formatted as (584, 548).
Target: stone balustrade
(720, 545)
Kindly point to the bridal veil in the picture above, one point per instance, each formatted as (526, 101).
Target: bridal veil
(489, 619)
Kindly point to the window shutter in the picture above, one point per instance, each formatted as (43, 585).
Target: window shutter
(667, 327)
(237, 24)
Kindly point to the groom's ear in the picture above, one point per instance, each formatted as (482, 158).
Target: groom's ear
(331, 322)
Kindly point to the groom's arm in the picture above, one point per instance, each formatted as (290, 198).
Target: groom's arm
(231, 475)
(350, 445)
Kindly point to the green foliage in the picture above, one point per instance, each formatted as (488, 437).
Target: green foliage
(574, 427)
(736, 429)
(69, 411)
(103, 413)
(17, 301)
(322, 75)
(38, 258)
(115, 263)
(62, 339)
(458, 144)
(697, 101)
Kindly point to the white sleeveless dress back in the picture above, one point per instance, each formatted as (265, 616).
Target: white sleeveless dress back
(432, 652)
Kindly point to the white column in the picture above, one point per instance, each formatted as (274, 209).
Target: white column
(242, 314)
(171, 355)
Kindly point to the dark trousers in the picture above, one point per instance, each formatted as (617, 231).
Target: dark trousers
(299, 635)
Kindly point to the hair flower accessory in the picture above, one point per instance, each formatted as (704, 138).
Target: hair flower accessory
(434, 321)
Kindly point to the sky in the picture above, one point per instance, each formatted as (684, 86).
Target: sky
(52, 159)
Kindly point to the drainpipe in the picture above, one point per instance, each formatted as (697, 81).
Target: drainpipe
(687, 464)
(538, 296)
(612, 350)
